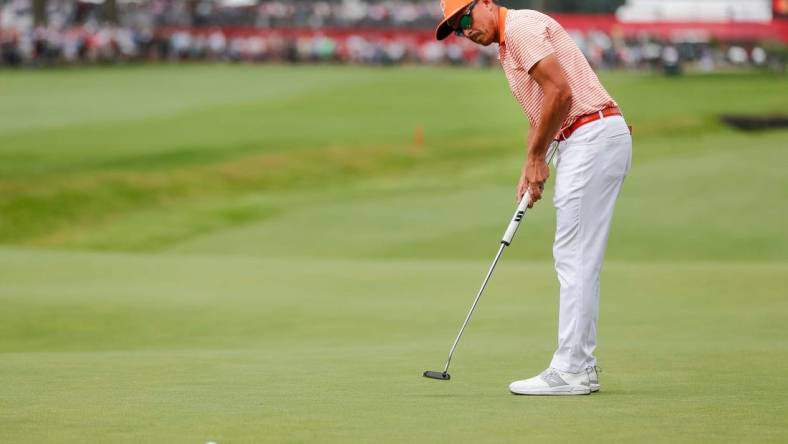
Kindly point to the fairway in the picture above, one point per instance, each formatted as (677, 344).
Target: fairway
(271, 254)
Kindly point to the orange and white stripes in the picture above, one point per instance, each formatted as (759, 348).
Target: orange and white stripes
(530, 36)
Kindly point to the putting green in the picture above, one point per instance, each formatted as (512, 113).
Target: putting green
(127, 348)
(265, 254)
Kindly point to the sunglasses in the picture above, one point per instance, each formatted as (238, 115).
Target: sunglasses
(466, 21)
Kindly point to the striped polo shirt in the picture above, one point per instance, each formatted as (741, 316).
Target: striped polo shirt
(527, 37)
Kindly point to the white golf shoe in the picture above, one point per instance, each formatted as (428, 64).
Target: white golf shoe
(593, 379)
(553, 382)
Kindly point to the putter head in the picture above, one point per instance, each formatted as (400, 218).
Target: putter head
(443, 376)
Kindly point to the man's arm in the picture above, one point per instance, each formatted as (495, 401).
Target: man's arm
(555, 108)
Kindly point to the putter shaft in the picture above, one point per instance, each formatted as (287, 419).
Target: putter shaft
(473, 307)
(507, 238)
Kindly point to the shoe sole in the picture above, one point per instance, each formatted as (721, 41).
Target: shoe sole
(594, 388)
(557, 391)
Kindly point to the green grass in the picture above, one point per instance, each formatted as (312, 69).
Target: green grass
(263, 254)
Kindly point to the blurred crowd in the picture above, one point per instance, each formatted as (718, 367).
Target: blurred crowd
(267, 13)
(351, 31)
(607, 52)
(355, 13)
(111, 44)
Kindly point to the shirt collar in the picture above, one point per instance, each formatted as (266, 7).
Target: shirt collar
(502, 11)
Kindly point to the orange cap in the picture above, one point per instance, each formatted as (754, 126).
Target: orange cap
(450, 9)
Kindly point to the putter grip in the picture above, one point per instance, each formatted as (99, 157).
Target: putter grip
(519, 215)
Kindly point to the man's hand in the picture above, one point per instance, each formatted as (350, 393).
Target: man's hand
(535, 174)
(556, 103)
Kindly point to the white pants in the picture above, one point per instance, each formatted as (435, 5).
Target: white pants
(590, 169)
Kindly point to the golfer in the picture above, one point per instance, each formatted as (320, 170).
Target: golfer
(564, 101)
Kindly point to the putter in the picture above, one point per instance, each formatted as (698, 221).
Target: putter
(518, 217)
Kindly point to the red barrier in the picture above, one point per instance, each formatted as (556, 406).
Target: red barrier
(731, 31)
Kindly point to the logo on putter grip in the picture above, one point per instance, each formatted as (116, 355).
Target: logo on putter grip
(519, 216)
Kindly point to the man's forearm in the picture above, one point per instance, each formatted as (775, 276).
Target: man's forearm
(555, 109)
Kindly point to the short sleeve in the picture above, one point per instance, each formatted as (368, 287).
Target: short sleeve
(528, 42)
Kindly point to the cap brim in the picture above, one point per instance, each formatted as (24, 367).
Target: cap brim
(444, 30)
